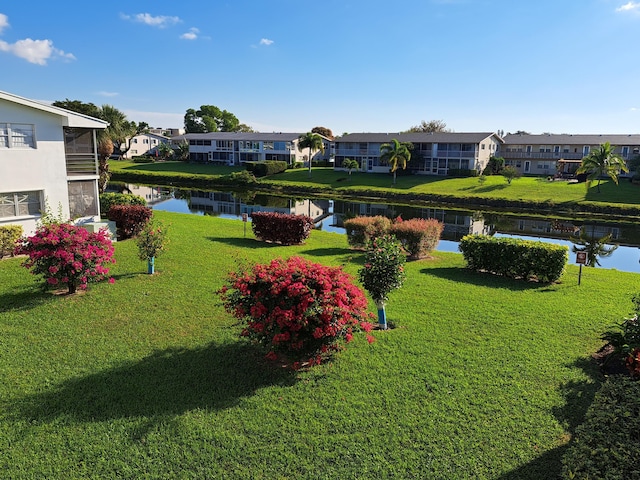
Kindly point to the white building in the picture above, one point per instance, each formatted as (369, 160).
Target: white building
(48, 156)
(145, 144)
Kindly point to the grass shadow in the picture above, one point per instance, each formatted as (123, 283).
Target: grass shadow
(25, 299)
(328, 252)
(490, 188)
(168, 382)
(244, 242)
(463, 275)
(578, 397)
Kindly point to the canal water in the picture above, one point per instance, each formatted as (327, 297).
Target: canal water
(329, 215)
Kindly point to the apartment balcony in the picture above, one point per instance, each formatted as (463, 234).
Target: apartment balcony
(542, 155)
(81, 164)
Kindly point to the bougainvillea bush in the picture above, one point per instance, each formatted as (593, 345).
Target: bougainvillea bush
(67, 255)
(298, 310)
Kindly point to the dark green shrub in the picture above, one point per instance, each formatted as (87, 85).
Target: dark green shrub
(265, 168)
(418, 236)
(625, 337)
(142, 159)
(242, 177)
(130, 219)
(109, 199)
(513, 258)
(9, 235)
(361, 230)
(282, 228)
(606, 446)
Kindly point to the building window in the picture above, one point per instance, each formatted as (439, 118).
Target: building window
(20, 204)
(17, 135)
(83, 198)
(145, 140)
(135, 140)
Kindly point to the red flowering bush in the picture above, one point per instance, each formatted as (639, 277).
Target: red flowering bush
(295, 308)
(130, 219)
(67, 255)
(418, 236)
(633, 363)
(283, 228)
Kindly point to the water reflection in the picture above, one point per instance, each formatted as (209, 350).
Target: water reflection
(596, 236)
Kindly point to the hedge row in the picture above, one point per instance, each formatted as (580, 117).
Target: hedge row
(282, 228)
(607, 446)
(462, 172)
(265, 168)
(130, 219)
(513, 258)
(109, 199)
(9, 235)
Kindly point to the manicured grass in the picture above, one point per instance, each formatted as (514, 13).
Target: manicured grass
(147, 378)
(532, 189)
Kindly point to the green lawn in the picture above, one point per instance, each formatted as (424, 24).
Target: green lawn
(147, 378)
(536, 189)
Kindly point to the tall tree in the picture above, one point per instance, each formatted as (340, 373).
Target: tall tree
(325, 132)
(396, 154)
(432, 126)
(602, 161)
(79, 107)
(209, 118)
(594, 247)
(313, 142)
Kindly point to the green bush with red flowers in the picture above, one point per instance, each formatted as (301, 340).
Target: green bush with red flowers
(300, 312)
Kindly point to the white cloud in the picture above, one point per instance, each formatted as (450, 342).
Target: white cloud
(108, 94)
(192, 34)
(629, 7)
(634, 109)
(35, 51)
(4, 22)
(160, 21)
(266, 41)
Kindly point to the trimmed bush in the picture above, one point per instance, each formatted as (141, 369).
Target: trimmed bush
(282, 228)
(9, 236)
(67, 255)
(109, 199)
(265, 168)
(513, 258)
(296, 308)
(418, 236)
(130, 219)
(606, 445)
(362, 230)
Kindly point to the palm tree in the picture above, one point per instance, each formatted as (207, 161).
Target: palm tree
(594, 247)
(350, 164)
(602, 161)
(313, 142)
(395, 154)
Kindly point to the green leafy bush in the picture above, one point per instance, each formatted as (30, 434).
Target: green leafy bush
(418, 236)
(9, 235)
(265, 168)
(282, 228)
(513, 258)
(130, 219)
(383, 269)
(361, 230)
(109, 199)
(625, 337)
(606, 446)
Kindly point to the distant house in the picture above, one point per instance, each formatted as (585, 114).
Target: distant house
(48, 156)
(548, 154)
(145, 144)
(433, 153)
(235, 148)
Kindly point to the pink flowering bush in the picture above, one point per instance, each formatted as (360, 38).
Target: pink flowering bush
(67, 255)
(297, 309)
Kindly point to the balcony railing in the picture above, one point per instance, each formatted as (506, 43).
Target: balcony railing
(542, 155)
(81, 164)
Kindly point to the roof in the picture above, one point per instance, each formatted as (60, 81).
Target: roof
(438, 137)
(70, 119)
(569, 139)
(258, 137)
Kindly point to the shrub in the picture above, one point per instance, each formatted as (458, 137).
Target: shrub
(152, 240)
(418, 236)
(361, 230)
(606, 445)
(265, 168)
(296, 308)
(109, 199)
(9, 235)
(513, 258)
(281, 228)
(68, 255)
(625, 338)
(130, 219)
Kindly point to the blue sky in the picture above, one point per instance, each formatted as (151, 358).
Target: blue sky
(560, 66)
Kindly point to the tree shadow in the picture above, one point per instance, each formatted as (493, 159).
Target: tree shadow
(490, 188)
(25, 299)
(167, 382)
(578, 397)
(328, 252)
(463, 275)
(244, 242)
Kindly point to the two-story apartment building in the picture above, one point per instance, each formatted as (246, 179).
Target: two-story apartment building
(433, 153)
(548, 154)
(235, 148)
(145, 144)
(48, 156)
